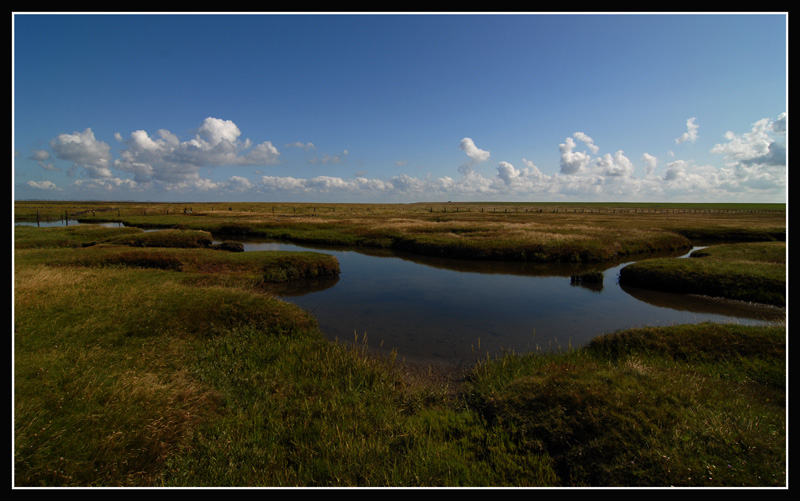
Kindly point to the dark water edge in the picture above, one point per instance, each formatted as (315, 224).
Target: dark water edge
(451, 312)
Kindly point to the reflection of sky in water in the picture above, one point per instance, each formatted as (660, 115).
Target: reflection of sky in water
(434, 314)
(57, 223)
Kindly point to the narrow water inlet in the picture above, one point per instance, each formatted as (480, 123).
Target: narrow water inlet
(454, 312)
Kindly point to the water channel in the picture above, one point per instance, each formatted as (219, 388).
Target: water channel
(448, 312)
(437, 311)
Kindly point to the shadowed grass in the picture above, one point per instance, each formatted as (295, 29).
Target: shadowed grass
(747, 272)
(680, 406)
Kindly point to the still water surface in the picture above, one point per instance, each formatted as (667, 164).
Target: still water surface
(452, 312)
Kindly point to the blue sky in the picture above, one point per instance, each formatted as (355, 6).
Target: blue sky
(400, 107)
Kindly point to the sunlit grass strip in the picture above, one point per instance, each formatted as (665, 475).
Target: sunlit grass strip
(761, 252)
(552, 232)
(27, 237)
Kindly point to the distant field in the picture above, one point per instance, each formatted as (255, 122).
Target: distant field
(27, 209)
(529, 231)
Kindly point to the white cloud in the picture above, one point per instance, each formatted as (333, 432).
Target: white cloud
(239, 183)
(263, 154)
(41, 157)
(467, 145)
(754, 168)
(214, 131)
(527, 176)
(108, 184)
(572, 162)
(691, 132)
(618, 165)
(83, 150)
(757, 159)
(167, 159)
(650, 163)
(507, 172)
(759, 146)
(582, 176)
(587, 140)
(44, 185)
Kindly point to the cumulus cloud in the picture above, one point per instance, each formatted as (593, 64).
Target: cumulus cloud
(691, 132)
(42, 157)
(580, 136)
(107, 184)
(617, 165)
(527, 176)
(239, 183)
(83, 150)
(467, 145)
(572, 162)
(756, 159)
(167, 159)
(650, 163)
(754, 166)
(44, 185)
(762, 145)
(583, 174)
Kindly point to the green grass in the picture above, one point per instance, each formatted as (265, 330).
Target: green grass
(496, 231)
(26, 237)
(746, 271)
(679, 406)
(174, 366)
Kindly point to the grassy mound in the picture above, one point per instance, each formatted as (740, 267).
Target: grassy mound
(680, 406)
(747, 272)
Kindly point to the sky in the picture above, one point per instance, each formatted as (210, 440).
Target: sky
(400, 107)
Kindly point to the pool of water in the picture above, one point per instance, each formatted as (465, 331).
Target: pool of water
(62, 222)
(453, 312)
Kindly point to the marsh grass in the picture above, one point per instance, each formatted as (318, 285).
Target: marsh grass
(189, 251)
(171, 238)
(678, 406)
(745, 271)
(128, 376)
(97, 393)
(527, 232)
(164, 366)
(26, 237)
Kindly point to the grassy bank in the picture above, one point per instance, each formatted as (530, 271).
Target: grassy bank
(173, 366)
(677, 406)
(745, 271)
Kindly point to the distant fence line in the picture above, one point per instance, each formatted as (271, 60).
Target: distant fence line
(300, 211)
